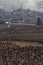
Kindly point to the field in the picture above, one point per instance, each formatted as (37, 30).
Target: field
(29, 33)
(21, 45)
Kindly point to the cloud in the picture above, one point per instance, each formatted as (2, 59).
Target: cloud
(39, 5)
(9, 5)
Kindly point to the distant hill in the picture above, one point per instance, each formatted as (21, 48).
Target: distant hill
(20, 13)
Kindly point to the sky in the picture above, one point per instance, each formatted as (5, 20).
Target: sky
(9, 5)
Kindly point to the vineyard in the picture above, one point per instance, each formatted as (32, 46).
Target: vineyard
(17, 55)
(21, 45)
(23, 33)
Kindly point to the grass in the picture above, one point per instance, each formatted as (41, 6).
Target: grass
(12, 44)
(26, 44)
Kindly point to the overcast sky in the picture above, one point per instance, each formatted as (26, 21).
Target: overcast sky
(9, 5)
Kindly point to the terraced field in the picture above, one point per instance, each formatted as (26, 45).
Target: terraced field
(23, 33)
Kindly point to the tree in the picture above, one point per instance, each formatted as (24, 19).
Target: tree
(39, 22)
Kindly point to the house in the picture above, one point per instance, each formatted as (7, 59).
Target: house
(28, 21)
